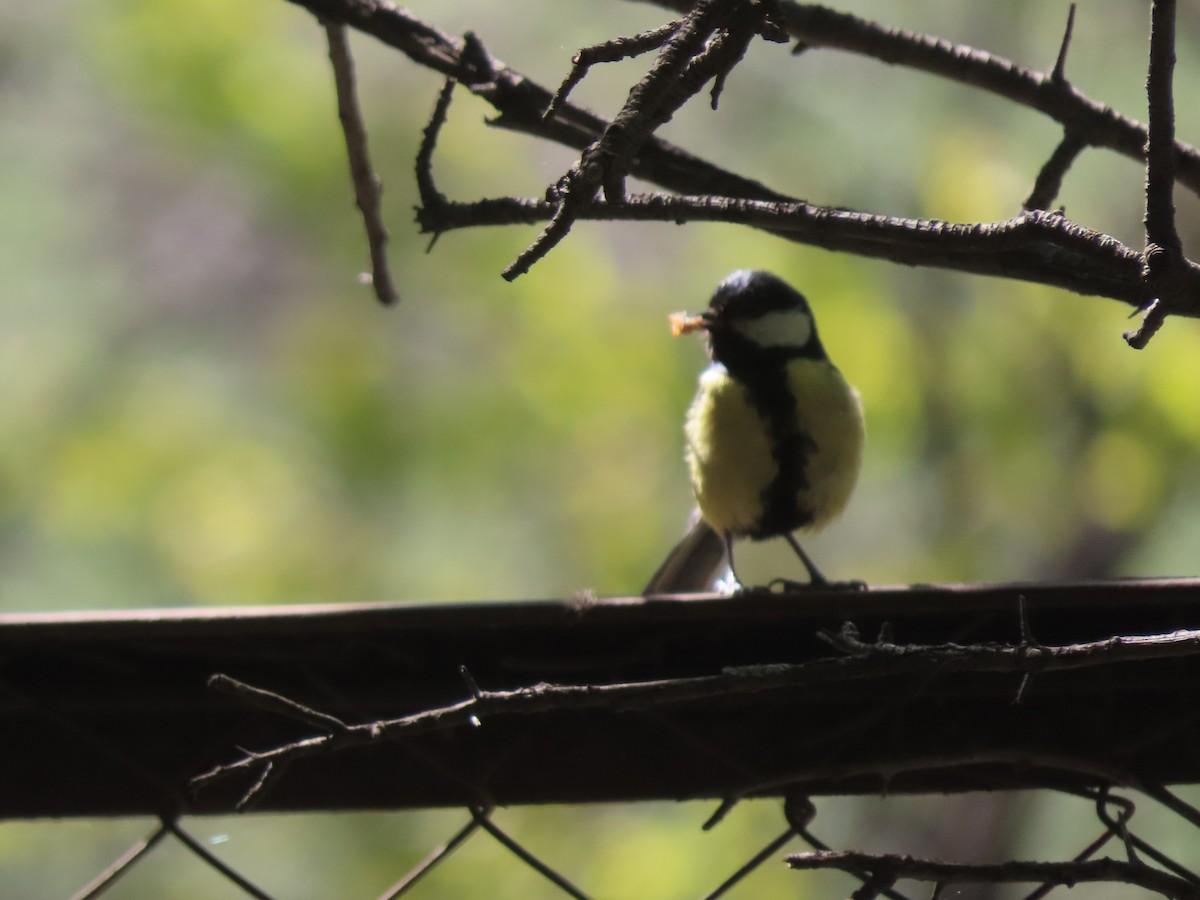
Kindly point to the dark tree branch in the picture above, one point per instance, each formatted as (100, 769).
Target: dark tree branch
(1097, 264)
(276, 703)
(1164, 261)
(818, 26)
(889, 868)
(366, 183)
(522, 103)
(1034, 246)
(1058, 73)
(1160, 141)
(1049, 180)
(1134, 845)
(705, 45)
(610, 51)
(427, 190)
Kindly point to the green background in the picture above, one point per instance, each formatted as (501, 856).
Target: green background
(200, 404)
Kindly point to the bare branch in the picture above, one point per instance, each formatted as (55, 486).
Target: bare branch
(1135, 845)
(1160, 158)
(1050, 178)
(521, 104)
(432, 199)
(818, 26)
(866, 661)
(366, 183)
(277, 703)
(610, 51)
(1058, 74)
(1034, 246)
(889, 868)
(1165, 265)
(1154, 318)
(709, 40)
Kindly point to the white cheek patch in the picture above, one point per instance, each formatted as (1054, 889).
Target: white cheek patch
(785, 328)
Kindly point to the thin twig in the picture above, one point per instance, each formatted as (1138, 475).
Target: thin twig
(1160, 156)
(367, 189)
(1112, 828)
(1058, 73)
(1035, 246)
(610, 51)
(274, 702)
(1135, 844)
(818, 26)
(1154, 318)
(889, 868)
(269, 774)
(432, 199)
(651, 103)
(800, 813)
(521, 104)
(577, 195)
(864, 662)
(1163, 257)
(1049, 180)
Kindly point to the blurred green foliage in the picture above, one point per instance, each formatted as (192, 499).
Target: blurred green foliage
(200, 404)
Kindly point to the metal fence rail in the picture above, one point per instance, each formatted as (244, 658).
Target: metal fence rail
(486, 705)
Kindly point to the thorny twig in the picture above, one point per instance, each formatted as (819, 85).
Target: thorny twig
(817, 26)
(610, 51)
(861, 661)
(889, 868)
(1166, 290)
(703, 46)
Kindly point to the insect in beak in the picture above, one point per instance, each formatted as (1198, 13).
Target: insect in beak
(686, 323)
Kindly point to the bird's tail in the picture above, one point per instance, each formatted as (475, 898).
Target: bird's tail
(695, 564)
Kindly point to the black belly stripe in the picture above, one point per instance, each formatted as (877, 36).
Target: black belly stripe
(769, 392)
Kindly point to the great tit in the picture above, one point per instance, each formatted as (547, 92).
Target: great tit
(774, 435)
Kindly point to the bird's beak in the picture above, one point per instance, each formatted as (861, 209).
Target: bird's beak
(686, 323)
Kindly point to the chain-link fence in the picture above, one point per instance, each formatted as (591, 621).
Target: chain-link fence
(1119, 855)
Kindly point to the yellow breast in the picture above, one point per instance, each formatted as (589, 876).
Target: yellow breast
(729, 448)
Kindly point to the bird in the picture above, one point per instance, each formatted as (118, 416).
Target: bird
(774, 436)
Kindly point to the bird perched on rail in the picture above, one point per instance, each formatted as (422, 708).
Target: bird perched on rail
(774, 434)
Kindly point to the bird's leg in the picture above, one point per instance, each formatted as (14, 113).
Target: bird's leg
(815, 578)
